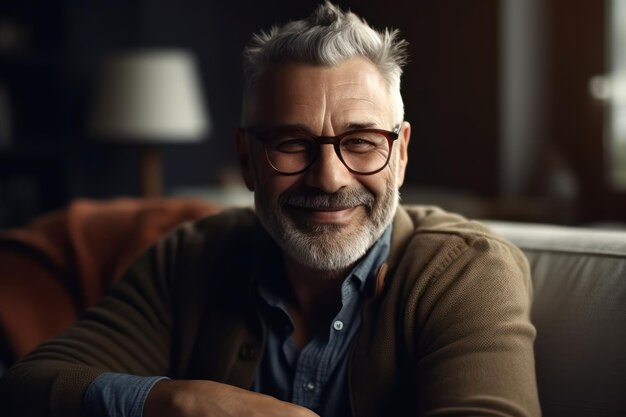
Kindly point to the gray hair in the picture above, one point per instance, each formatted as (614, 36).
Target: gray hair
(329, 36)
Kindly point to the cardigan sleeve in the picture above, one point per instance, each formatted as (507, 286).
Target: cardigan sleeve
(473, 335)
(128, 332)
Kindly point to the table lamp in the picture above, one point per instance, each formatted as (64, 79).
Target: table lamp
(149, 97)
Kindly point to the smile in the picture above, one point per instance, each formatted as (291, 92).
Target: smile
(338, 215)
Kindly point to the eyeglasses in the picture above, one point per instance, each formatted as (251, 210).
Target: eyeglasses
(292, 151)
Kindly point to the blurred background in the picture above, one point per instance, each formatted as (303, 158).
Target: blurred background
(518, 108)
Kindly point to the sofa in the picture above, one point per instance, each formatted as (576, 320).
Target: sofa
(579, 311)
(62, 263)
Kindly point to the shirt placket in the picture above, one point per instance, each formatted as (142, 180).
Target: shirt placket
(315, 362)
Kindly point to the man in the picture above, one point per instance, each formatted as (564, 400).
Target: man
(327, 300)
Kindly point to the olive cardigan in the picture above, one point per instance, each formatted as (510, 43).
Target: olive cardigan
(445, 330)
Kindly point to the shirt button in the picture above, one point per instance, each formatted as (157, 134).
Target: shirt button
(338, 325)
(308, 386)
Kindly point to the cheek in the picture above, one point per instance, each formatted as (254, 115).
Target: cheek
(273, 184)
(378, 183)
(266, 179)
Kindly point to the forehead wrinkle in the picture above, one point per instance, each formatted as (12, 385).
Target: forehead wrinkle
(364, 110)
(361, 100)
(349, 83)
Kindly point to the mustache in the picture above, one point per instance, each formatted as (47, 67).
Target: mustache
(312, 198)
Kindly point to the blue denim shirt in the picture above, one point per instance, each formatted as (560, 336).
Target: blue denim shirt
(315, 377)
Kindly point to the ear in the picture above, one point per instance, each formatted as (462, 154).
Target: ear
(403, 144)
(242, 147)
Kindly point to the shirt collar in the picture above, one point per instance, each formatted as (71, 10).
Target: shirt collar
(362, 275)
(365, 271)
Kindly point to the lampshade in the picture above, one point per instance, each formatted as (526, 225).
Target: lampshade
(152, 96)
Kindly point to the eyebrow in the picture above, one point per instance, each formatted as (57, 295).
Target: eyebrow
(362, 125)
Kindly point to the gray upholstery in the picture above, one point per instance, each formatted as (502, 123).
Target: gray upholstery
(579, 310)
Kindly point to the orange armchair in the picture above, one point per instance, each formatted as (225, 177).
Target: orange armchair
(63, 261)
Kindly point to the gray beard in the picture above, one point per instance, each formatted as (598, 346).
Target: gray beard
(327, 247)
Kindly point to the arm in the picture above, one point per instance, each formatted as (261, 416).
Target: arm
(212, 399)
(132, 396)
(128, 332)
(119, 395)
(473, 333)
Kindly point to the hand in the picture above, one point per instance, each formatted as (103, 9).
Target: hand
(212, 399)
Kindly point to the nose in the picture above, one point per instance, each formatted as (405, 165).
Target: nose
(328, 173)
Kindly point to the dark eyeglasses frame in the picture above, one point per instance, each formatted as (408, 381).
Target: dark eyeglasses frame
(391, 136)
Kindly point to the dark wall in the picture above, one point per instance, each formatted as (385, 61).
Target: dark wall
(450, 89)
(49, 76)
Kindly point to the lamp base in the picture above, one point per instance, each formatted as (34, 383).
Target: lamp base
(151, 172)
